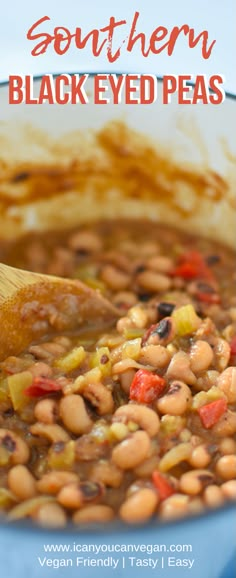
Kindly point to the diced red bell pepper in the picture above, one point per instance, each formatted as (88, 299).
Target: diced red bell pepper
(42, 386)
(146, 386)
(210, 298)
(165, 489)
(233, 346)
(192, 265)
(212, 412)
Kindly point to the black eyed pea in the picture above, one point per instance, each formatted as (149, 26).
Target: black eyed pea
(97, 513)
(221, 354)
(124, 299)
(227, 446)
(138, 316)
(53, 349)
(196, 505)
(123, 323)
(153, 281)
(194, 481)
(21, 482)
(50, 515)
(53, 432)
(201, 356)
(160, 334)
(155, 355)
(61, 263)
(139, 507)
(136, 486)
(206, 380)
(213, 496)
(100, 397)
(85, 242)
(143, 416)
(227, 383)
(47, 351)
(39, 352)
(52, 482)
(232, 312)
(175, 506)
(160, 263)
(200, 457)
(226, 425)
(179, 368)
(229, 332)
(196, 440)
(145, 469)
(46, 411)
(107, 473)
(148, 248)
(74, 414)
(177, 399)
(40, 369)
(126, 379)
(229, 489)
(226, 467)
(75, 495)
(114, 278)
(17, 451)
(70, 496)
(132, 451)
(66, 342)
(152, 313)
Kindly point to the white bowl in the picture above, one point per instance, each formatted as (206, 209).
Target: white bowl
(197, 138)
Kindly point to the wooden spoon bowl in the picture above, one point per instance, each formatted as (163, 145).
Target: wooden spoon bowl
(34, 305)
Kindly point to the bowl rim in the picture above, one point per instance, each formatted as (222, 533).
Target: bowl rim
(115, 527)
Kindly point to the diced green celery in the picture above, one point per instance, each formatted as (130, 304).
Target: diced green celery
(175, 456)
(110, 341)
(29, 507)
(172, 424)
(92, 376)
(215, 393)
(132, 426)
(4, 390)
(177, 249)
(17, 383)
(168, 297)
(205, 397)
(4, 456)
(85, 272)
(63, 459)
(131, 349)
(133, 332)
(101, 432)
(95, 284)
(101, 359)
(199, 399)
(118, 431)
(6, 498)
(72, 360)
(186, 320)
(185, 435)
(86, 342)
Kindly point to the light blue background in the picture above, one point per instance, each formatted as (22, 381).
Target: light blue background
(216, 16)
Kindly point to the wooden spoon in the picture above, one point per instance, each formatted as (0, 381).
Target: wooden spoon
(33, 305)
